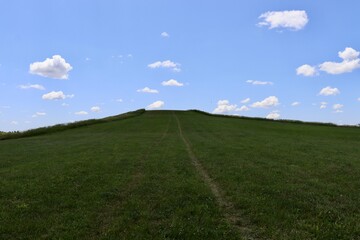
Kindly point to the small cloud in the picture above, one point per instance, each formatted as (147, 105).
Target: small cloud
(224, 106)
(55, 67)
(95, 109)
(156, 105)
(273, 115)
(255, 82)
(246, 100)
(294, 20)
(349, 54)
(306, 70)
(119, 100)
(129, 55)
(242, 109)
(351, 61)
(54, 95)
(81, 113)
(329, 91)
(165, 64)
(14, 123)
(32, 86)
(65, 105)
(87, 59)
(172, 82)
(266, 103)
(38, 114)
(165, 35)
(147, 90)
(338, 108)
(294, 104)
(323, 105)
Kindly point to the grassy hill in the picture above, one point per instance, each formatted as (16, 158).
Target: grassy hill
(181, 175)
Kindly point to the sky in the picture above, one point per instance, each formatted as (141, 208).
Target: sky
(63, 61)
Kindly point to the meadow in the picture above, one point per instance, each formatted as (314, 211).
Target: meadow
(181, 175)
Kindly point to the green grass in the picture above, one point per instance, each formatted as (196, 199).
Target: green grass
(132, 178)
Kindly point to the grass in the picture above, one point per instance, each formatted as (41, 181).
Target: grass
(132, 178)
(67, 126)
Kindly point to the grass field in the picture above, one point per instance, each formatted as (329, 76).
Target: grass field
(182, 175)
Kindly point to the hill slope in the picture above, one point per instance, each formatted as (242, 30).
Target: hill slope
(182, 175)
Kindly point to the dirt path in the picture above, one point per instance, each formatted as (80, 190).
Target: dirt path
(231, 215)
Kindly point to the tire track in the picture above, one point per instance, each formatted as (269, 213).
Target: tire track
(231, 215)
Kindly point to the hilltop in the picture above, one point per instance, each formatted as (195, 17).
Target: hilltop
(181, 175)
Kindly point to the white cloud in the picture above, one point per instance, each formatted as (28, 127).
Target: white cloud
(329, 91)
(351, 61)
(65, 105)
(255, 82)
(81, 113)
(95, 109)
(156, 105)
(273, 115)
(359, 99)
(147, 90)
(342, 67)
(323, 105)
(119, 100)
(55, 67)
(338, 108)
(34, 86)
(165, 35)
(246, 100)
(172, 82)
(38, 114)
(306, 70)
(242, 109)
(267, 102)
(349, 54)
(224, 106)
(294, 104)
(14, 123)
(294, 19)
(165, 64)
(54, 95)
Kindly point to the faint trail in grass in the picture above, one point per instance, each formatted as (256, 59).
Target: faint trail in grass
(231, 215)
(134, 182)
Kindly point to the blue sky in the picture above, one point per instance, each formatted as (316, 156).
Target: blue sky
(63, 61)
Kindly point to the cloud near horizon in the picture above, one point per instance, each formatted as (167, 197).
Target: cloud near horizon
(224, 106)
(156, 105)
(95, 109)
(271, 101)
(81, 113)
(273, 115)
